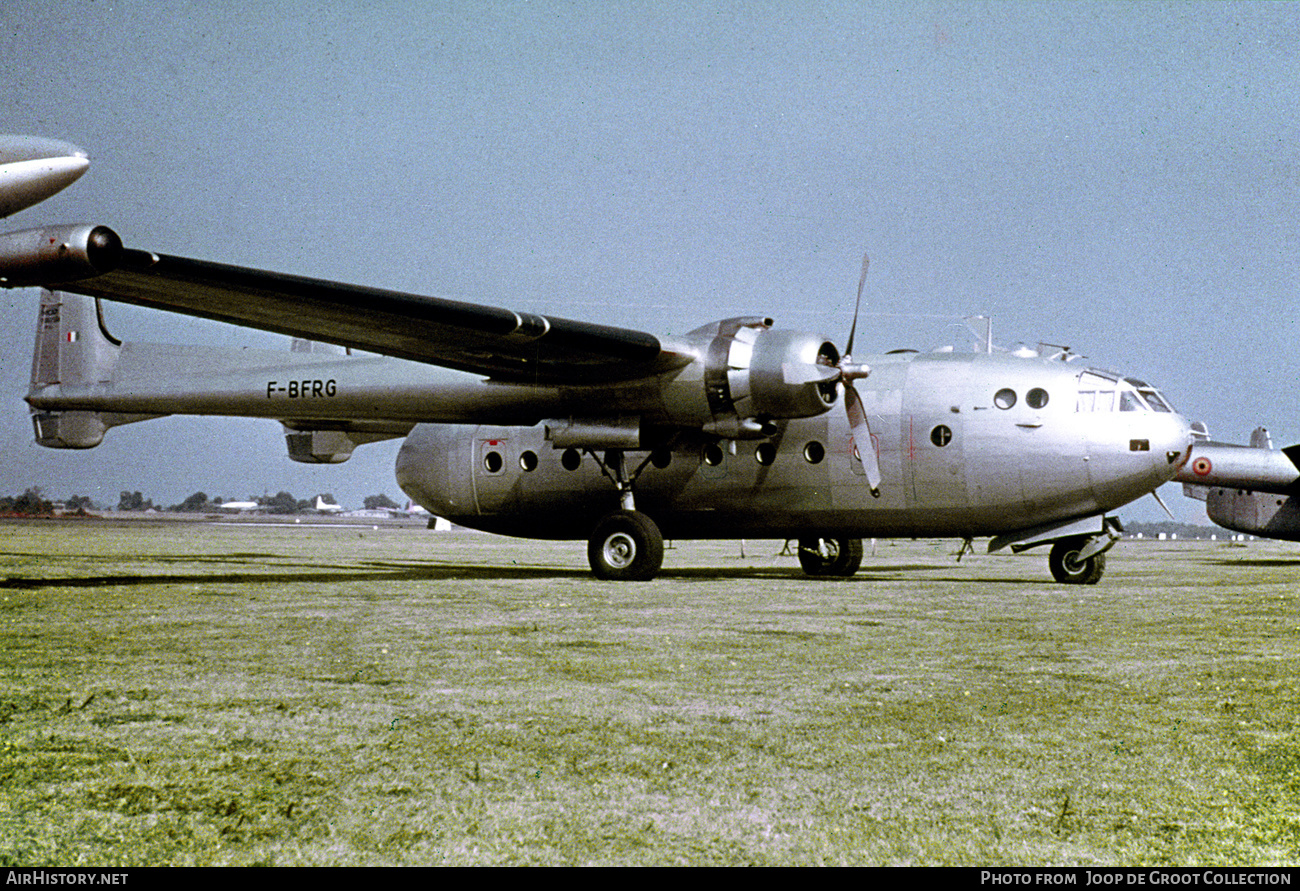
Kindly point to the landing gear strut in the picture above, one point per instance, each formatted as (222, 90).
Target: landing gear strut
(626, 545)
(830, 556)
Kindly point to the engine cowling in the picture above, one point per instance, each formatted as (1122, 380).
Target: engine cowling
(53, 254)
(754, 374)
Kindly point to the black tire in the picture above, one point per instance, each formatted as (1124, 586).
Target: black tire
(1068, 569)
(839, 557)
(626, 546)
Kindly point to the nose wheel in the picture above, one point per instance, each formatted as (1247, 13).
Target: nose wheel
(1072, 564)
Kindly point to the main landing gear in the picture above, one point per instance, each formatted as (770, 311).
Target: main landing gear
(830, 556)
(626, 545)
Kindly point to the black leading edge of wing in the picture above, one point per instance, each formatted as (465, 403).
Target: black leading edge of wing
(500, 343)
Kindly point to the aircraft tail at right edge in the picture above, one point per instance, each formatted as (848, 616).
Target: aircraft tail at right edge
(1253, 489)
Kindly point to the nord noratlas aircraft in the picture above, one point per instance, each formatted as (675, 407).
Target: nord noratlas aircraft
(544, 427)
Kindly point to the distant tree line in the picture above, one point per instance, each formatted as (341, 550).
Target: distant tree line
(29, 504)
(33, 503)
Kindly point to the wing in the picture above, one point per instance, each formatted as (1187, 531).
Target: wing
(500, 343)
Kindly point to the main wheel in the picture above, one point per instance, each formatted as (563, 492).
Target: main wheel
(830, 556)
(1068, 569)
(626, 546)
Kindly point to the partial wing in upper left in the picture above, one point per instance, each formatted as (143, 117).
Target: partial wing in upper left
(500, 343)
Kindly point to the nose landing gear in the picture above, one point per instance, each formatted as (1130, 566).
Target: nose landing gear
(1072, 563)
(1079, 547)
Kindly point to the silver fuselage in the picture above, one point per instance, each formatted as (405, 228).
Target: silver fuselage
(954, 463)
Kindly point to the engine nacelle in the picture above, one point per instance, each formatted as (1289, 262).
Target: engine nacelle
(1265, 514)
(754, 374)
(68, 429)
(53, 254)
(318, 446)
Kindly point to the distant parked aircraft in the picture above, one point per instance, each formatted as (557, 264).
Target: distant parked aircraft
(240, 506)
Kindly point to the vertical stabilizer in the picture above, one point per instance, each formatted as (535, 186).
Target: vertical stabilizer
(74, 353)
(1259, 439)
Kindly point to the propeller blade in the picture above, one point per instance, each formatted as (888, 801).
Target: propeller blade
(862, 437)
(856, 305)
(1160, 501)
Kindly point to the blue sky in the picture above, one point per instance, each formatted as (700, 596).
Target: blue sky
(1121, 178)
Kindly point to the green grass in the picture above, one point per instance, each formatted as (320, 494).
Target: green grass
(193, 694)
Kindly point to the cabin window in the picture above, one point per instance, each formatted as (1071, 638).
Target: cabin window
(571, 459)
(1096, 400)
(528, 461)
(661, 458)
(712, 454)
(765, 454)
(493, 462)
(1004, 398)
(814, 452)
(1036, 398)
(941, 435)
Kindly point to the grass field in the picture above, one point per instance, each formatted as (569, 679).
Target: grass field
(221, 694)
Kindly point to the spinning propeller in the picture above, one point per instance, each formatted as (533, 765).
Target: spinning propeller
(849, 372)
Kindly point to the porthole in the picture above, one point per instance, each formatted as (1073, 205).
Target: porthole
(814, 452)
(765, 454)
(1004, 398)
(711, 454)
(1036, 398)
(941, 435)
(661, 458)
(571, 459)
(493, 462)
(528, 461)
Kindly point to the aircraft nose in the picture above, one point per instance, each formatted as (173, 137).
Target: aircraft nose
(29, 173)
(66, 170)
(1175, 439)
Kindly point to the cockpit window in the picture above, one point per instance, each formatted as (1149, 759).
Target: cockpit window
(1156, 401)
(1153, 397)
(1099, 391)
